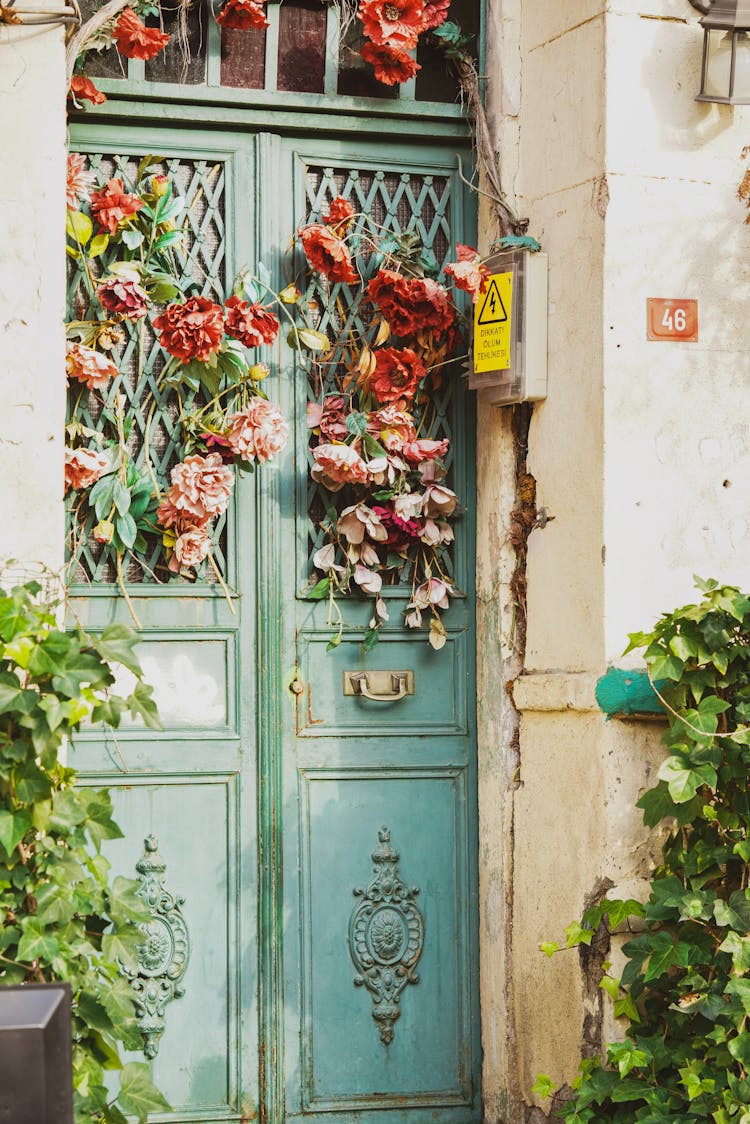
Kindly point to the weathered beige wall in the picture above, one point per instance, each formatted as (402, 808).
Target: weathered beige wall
(640, 453)
(32, 292)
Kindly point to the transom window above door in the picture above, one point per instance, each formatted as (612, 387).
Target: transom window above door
(310, 47)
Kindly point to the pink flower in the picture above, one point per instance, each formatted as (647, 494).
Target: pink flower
(258, 432)
(337, 465)
(88, 366)
(359, 520)
(393, 426)
(201, 487)
(330, 418)
(433, 592)
(423, 449)
(124, 296)
(80, 181)
(83, 467)
(190, 548)
(367, 580)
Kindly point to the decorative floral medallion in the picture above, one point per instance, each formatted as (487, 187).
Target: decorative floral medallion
(163, 956)
(386, 936)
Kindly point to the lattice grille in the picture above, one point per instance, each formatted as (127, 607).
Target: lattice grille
(399, 203)
(151, 410)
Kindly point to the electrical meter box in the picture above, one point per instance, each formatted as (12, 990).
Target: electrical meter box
(509, 346)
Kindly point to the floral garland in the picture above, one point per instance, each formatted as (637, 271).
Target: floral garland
(392, 30)
(388, 509)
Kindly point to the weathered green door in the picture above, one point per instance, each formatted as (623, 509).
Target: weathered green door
(323, 961)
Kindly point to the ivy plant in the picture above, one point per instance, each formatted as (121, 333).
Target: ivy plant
(685, 989)
(62, 917)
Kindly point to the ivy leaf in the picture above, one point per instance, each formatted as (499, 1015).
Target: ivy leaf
(138, 1094)
(13, 827)
(544, 1086)
(37, 942)
(684, 781)
(116, 644)
(141, 705)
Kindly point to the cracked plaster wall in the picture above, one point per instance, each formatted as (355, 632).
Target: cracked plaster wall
(32, 292)
(641, 453)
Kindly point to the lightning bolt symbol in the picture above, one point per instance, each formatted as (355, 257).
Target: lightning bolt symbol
(492, 303)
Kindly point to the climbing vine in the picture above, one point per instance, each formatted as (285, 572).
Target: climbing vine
(685, 989)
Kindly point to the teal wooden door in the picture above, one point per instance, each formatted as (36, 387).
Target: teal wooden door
(323, 960)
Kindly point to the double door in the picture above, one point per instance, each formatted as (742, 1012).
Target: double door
(314, 852)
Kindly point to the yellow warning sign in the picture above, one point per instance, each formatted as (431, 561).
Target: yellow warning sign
(492, 321)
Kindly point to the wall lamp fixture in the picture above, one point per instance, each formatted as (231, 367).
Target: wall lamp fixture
(725, 75)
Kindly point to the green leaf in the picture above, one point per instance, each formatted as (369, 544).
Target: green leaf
(576, 934)
(168, 239)
(319, 590)
(544, 1086)
(121, 496)
(683, 781)
(147, 162)
(549, 948)
(116, 644)
(37, 942)
(126, 529)
(141, 705)
(98, 245)
(138, 1094)
(78, 226)
(13, 827)
(132, 238)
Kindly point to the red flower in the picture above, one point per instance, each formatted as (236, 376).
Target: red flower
(242, 15)
(435, 13)
(468, 272)
(124, 296)
(112, 204)
(400, 531)
(251, 324)
(84, 89)
(411, 304)
(136, 41)
(391, 64)
(327, 254)
(339, 214)
(392, 23)
(191, 330)
(397, 372)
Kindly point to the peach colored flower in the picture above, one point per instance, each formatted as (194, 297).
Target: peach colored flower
(113, 204)
(192, 329)
(435, 13)
(190, 548)
(83, 467)
(468, 272)
(433, 592)
(201, 486)
(79, 181)
(393, 426)
(88, 366)
(172, 517)
(337, 465)
(136, 41)
(367, 580)
(438, 500)
(258, 432)
(329, 418)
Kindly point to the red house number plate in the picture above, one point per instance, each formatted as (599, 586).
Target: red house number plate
(674, 319)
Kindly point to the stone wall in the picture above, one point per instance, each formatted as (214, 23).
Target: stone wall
(640, 457)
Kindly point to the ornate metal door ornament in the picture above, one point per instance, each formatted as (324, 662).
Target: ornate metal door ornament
(164, 954)
(386, 936)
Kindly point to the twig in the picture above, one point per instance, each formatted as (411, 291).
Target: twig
(222, 583)
(88, 31)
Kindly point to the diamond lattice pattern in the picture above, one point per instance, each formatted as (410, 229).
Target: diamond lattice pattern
(398, 202)
(152, 411)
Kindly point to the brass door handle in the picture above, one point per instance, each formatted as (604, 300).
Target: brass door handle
(401, 684)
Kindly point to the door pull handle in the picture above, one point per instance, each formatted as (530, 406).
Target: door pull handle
(401, 684)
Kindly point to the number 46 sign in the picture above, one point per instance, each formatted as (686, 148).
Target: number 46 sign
(672, 319)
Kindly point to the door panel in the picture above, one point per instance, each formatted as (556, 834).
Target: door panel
(364, 780)
(277, 816)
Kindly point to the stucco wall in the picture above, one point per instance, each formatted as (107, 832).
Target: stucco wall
(640, 455)
(32, 292)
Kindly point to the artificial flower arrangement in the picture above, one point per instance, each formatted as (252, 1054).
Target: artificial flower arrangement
(391, 30)
(388, 509)
(224, 422)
